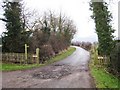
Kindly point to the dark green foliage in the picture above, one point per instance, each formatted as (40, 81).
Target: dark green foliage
(15, 37)
(104, 30)
(0, 41)
(114, 65)
(107, 46)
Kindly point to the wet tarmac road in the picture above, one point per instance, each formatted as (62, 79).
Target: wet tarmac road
(71, 72)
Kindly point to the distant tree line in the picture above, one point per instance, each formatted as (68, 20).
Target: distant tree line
(51, 32)
(85, 45)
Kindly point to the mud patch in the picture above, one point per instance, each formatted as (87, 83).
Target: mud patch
(56, 71)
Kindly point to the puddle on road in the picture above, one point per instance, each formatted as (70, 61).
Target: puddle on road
(58, 71)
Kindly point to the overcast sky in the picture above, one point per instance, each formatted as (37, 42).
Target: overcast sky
(77, 10)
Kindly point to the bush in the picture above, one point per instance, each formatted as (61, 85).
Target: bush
(54, 43)
(46, 52)
(51, 34)
(114, 66)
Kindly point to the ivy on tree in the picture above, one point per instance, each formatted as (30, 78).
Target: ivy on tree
(103, 18)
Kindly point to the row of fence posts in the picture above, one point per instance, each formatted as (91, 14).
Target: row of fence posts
(34, 56)
(95, 55)
(99, 60)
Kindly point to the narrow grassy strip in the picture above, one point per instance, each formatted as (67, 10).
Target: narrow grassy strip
(12, 67)
(61, 56)
(104, 79)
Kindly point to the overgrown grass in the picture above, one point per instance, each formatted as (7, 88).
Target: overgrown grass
(102, 78)
(12, 67)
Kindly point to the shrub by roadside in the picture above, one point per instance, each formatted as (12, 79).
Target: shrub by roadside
(114, 65)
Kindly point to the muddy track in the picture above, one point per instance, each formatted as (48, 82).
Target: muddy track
(72, 72)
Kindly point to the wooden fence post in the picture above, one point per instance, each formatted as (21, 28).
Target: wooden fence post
(37, 53)
(95, 55)
(26, 53)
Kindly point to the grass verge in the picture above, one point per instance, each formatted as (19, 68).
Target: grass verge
(102, 78)
(13, 67)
